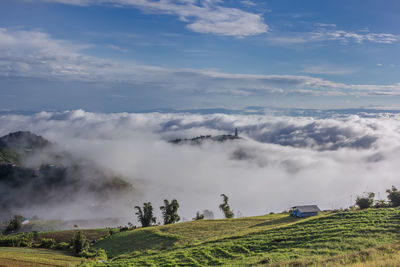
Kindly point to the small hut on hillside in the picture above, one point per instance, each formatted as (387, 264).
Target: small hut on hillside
(304, 211)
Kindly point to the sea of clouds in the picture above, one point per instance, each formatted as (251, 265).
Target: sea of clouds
(280, 161)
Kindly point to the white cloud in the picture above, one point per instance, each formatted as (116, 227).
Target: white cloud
(36, 54)
(324, 32)
(248, 3)
(283, 161)
(204, 16)
(325, 25)
(328, 70)
(117, 48)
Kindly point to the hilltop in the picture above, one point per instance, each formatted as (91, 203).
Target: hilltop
(16, 145)
(198, 140)
(278, 240)
(36, 174)
(23, 141)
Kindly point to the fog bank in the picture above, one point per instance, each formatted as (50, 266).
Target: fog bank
(280, 162)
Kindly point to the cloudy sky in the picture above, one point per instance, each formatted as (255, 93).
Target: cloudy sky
(131, 55)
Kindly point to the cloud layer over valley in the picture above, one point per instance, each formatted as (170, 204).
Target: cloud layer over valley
(281, 161)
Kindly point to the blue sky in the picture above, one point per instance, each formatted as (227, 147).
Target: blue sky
(129, 55)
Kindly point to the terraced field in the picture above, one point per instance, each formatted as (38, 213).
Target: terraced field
(271, 239)
(190, 233)
(356, 238)
(26, 257)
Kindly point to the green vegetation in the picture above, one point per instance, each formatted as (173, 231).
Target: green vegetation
(67, 235)
(382, 256)
(225, 208)
(199, 216)
(8, 156)
(137, 240)
(145, 216)
(271, 239)
(393, 196)
(79, 243)
(15, 224)
(170, 211)
(366, 201)
(27, 257)
(365, 237)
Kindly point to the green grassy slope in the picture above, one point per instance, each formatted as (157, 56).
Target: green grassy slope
(259, 240)
(189, 233)
(27, 257)
(137, 240)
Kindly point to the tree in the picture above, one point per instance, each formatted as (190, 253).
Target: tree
(226, 209)
(393, 196)
(15, 224)
(79, 243)
(170, 211)
(365, 201)
(145, 216)
(381, 204)
(199, 216)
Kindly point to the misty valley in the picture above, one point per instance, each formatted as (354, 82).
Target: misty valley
(96, 189)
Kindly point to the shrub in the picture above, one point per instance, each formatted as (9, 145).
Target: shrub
(124, 228)
(79, 243)
(14, 225)
(62, 246)
(365, 201)
(199, 216)
(381, 204)
(393, 196)
(35, 235)
(99, 254)
(24, 243)
(47, 243)
(18, 240)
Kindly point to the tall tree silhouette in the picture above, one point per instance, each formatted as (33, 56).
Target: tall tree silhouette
(170, 211)
(224, 206)
(145, 216)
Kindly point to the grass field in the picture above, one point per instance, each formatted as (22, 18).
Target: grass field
(190, 233)
(354, 238)
(266, 240)
(26, 257)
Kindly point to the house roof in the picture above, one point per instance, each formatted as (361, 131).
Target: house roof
(307, 208)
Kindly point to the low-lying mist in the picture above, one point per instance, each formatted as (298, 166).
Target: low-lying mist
(278, 163)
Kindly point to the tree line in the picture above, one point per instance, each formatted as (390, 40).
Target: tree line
(170, 212)
(367, 199)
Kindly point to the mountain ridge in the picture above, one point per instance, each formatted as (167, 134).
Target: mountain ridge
(54, 178)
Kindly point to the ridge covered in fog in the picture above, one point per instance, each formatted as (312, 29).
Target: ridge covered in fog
(37, 178)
